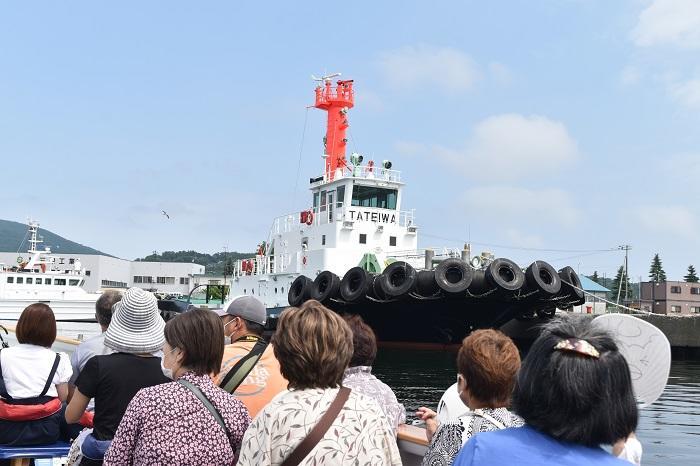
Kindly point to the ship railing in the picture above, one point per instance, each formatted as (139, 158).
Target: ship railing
(359, 172)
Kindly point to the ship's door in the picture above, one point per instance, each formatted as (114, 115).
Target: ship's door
(330, 206)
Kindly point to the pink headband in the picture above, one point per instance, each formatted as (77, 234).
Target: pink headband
(577, 346)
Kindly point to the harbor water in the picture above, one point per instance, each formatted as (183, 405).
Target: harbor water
(669, 429)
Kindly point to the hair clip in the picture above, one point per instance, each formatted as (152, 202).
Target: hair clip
(577, 346)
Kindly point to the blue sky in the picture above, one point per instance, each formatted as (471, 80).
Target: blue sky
(550, 124)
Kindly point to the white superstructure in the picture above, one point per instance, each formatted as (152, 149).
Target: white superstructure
(39, 280)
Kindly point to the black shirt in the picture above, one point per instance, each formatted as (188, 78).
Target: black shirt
(113, 380)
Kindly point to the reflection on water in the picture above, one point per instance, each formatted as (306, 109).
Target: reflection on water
(669, 429)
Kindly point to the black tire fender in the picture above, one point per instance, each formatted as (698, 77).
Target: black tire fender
(398, 279)
(326, 286)
(453, 276)
(505, 274)
(300, 290)
(569, 277)
(543, 277)
(355, 284)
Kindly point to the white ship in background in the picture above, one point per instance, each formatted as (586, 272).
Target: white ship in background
(38, 280)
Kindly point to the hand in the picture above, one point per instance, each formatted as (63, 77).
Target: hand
(430, 418)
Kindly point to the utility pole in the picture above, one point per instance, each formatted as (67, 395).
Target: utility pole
(626, 248)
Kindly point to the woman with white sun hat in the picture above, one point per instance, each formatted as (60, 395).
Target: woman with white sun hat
(135, 334)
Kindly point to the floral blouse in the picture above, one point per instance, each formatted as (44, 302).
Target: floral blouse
(168, 424)
(450, 436)
(360, 379)
(360, 435)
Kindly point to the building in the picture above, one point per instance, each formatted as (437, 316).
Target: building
(670, 297)
(106, 272)
(595, 297)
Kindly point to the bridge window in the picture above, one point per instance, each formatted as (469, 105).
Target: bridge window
(20, 280)
(73, 282)
(340, 198)
(47, 281)
(59, 281)
(10, 279)
(38, 281)
(371, 196)
(29, 280)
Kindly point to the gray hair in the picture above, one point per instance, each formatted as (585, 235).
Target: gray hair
(103, 306)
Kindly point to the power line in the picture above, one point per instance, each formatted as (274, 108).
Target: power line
(519, 248)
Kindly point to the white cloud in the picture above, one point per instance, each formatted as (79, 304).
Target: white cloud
(686, 92)
(673, 220)
(512, 206)
(419, 66)
(630, 75)
(669, 22)
(512, 146)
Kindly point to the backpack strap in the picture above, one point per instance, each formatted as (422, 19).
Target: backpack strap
(210, 407)
(3, 390)
(303, 449)
(51, 374)
(237, 374)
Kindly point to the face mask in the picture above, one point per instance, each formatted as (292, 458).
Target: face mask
(167, 372)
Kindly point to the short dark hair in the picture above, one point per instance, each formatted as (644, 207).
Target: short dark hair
(199, 333)
(364, 342)
(36, 325)
(253, 327)
(489, 361)
(574, 397)
(313, 346)
(103, 306)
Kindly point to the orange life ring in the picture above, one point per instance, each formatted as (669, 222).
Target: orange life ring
(310, 217)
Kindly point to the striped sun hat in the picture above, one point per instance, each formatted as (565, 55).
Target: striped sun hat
(136, 326)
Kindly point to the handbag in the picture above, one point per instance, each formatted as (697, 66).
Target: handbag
(302, 450)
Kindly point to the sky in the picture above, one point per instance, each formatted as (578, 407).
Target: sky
(555, 130)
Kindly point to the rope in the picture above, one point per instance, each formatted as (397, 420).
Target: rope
(301, 150)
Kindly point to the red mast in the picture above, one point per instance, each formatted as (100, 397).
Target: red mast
(336, 101)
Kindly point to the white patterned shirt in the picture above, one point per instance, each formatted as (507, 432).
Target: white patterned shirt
(361, 380)
(360, 434)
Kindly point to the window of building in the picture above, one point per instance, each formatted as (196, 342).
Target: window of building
(29, 280)
(37, 281)
(10, 279)
(323, 240)
(392, 241)
(675, 309)
(363, 238)
(165, 280)
(160, 280)
(215, 282)
(694, 290)
(184, 280)
(87, 273)
(71, 261)
(372, 196)
(47, 281)
(113, 284)
(138, 279)
(695, 309)
(59, 281)
(20, 280)
(675, 289)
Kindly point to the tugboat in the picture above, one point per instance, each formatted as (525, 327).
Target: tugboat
(356, 250)
(39, 280)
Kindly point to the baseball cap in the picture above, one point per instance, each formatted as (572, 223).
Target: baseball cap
(246, 307)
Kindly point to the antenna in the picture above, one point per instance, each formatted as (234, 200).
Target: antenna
(327, 78)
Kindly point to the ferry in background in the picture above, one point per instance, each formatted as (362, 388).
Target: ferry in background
(38, 280)
(356, 250)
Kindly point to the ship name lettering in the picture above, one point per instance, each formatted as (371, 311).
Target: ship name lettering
(377, 217)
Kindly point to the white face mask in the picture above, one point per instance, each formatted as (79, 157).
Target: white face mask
(167, 372)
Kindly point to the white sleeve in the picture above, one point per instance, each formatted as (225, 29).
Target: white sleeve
(64, 370)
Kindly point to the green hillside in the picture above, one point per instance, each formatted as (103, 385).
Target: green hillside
(214, 263)
(14, 238)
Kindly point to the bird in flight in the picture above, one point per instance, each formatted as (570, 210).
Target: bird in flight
(166, 214)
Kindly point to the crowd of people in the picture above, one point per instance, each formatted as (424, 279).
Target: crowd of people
(207, 388)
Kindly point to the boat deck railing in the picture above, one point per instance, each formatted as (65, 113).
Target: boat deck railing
(372, 172)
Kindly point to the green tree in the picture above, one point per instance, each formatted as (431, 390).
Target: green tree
(621, 284)
(691, 277)
(595, 277)
(656, 272)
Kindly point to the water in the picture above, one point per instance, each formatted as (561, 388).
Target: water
(669, 429)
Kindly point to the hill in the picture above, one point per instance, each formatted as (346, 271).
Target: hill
(214, 263)
(14, 238)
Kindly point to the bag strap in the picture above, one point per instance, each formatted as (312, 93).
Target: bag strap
(3, 343)
(490, 418)
(237, 374)
(312, 438)
(51, 374)
(210, 407)
(3, 390)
